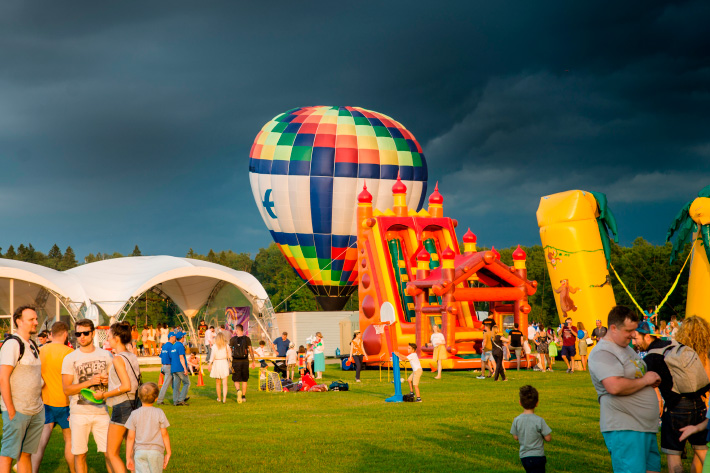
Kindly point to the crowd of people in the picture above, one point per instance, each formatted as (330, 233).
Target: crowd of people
(55, 384)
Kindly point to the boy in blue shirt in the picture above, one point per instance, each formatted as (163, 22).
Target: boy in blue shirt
(531, 431)
(179, 371)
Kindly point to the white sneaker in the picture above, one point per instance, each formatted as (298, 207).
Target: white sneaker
(357, 380)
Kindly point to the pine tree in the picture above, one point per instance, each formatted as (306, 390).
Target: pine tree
(11, 253)
(136, 251)
(190, 254)
(54, 257)
(211, 257)
(69, 259)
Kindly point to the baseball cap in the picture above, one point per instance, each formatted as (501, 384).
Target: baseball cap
(646, 329)
(171, 334)
(179, 335)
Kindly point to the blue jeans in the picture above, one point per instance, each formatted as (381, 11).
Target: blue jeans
(148, 461)
(167, 381)
(180, 395)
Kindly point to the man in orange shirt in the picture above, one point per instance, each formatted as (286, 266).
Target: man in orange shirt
(56, 404)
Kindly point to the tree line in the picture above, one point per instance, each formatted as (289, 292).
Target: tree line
(643, 267)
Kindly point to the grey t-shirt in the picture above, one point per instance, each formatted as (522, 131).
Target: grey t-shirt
(638, 411)
(530, 429)
(147, 422)
(83, 366)
(26, 377)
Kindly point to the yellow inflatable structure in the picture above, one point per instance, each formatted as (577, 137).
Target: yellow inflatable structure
(692, 224)
(573, 229)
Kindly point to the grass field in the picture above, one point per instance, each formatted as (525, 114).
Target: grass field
(462, 424)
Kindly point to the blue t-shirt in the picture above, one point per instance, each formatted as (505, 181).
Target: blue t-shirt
(177, 351)
(165, 353)
(282, 345)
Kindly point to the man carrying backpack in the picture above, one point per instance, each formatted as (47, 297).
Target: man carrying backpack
(241, 348)
(683, 382)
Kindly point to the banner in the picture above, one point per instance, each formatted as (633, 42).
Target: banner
(237, 315)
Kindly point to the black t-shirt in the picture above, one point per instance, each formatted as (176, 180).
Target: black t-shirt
(599, 332)
(657, 363)
(489, 322)
(240, 347)
(516, 338)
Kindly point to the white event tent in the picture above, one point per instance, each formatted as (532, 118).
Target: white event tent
(114, 285)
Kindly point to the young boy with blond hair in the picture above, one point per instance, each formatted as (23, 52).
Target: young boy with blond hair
(148, 444)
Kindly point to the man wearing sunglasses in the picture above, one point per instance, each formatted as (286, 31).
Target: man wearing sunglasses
(87, 368)
(21, 389)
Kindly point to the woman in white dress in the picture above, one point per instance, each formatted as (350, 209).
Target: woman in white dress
(164, 331)
(220, 360)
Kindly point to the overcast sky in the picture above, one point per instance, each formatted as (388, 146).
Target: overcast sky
(126, 123)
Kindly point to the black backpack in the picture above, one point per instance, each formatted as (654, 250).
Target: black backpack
(239, 347)
(409, 397)
(22, 345)
(338, 385)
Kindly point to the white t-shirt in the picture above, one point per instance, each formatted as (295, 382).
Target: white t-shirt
(26, 379)
(260, 351)
(318, 347)
(83, 366)
(291, 356)
(437, 339)
(414, 362)
(531, 332)
(209, 337)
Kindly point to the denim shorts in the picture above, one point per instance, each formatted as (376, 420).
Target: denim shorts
(122, 411)
(57, 415)
(21, 434)
(569, 351)
(686, 412)
(487, 355)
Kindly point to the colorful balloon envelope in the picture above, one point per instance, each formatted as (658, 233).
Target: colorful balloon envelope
(306, 168)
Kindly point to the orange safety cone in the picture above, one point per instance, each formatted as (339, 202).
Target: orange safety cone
(200, 382)
(160, 379)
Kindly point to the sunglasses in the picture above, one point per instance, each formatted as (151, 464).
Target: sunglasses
(85, 334)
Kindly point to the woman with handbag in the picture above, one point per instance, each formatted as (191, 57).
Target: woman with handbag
(123, 383)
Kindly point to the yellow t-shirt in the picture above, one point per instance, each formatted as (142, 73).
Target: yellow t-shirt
(51, 355)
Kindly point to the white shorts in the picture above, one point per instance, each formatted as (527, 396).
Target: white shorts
(82, 425)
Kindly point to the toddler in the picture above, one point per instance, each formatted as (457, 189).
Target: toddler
(309, 359)
(291, 361)
(301, 360)
(261, 351)
(417, 371)
(148, 444)
(531, 431)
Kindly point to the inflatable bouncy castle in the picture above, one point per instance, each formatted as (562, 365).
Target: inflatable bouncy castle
(412, 260)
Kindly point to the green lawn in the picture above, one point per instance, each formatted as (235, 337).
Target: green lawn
(462, 425)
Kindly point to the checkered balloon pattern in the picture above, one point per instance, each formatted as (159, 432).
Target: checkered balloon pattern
(306, 168)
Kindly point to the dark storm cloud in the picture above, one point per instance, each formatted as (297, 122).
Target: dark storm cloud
(131, 123)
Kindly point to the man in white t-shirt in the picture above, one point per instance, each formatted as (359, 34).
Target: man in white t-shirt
(86, 368)
(21, 389)
(209, 340)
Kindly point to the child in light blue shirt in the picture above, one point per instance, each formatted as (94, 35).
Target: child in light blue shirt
(531, 431)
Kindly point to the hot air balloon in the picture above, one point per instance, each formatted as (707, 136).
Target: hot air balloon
(306, 167)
